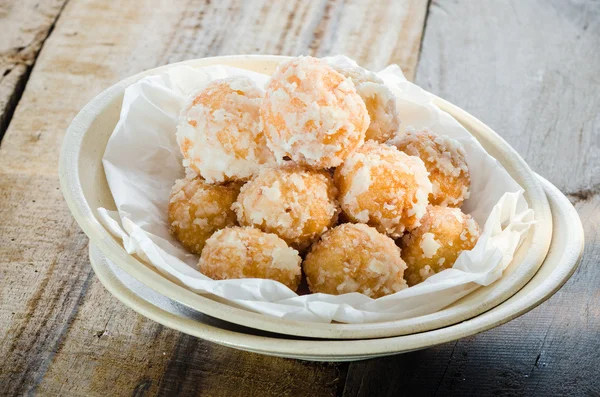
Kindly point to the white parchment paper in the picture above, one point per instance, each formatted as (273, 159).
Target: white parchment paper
(142, 161)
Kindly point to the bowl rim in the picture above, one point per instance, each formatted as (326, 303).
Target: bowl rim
(100, 237)
(571, 240)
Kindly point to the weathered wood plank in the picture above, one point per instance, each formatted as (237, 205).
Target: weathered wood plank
(375, 34)
(44, 274)
(61, 333)
(25, 26)
(411, 374)
(530, 71)
(109, 350)
(251, 374)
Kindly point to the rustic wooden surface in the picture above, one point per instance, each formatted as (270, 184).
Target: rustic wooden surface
(528, 69)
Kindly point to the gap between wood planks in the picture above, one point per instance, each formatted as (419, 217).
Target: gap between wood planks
(425, 19)
(17, 63)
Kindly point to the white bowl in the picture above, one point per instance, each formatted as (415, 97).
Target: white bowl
(561, 262)
(85, 189)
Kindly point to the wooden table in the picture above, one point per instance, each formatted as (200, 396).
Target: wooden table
(530, 69)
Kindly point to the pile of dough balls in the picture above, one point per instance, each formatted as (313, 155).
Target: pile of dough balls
(311, 175)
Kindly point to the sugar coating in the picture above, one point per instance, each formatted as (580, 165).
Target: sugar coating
(312, 114)
(296, 203)
(435, 245)
(429, 245)
(198, 209)
(378, 98)
(445, 159)
(383, 187)
(426, 272)
(219, 131)
(246, 252)
(355, 258)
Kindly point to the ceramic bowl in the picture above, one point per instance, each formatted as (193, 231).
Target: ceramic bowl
(85, 189)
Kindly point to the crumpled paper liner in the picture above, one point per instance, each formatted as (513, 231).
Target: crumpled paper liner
(142, 161)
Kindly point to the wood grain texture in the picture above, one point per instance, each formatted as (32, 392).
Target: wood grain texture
(232, 373)
(375, 34)
(44, 273)
(530, 71)
(25, 26)
(61, 332)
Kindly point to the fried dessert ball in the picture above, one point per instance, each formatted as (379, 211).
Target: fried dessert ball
(355, 258)
(379, 99)
(312, 114)
(383, 187)
(198, 209)
(444, 233)
(219, 131)
(296, 203)
(445, 159)
(246, 252)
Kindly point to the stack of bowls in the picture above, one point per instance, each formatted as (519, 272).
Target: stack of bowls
(545, 260)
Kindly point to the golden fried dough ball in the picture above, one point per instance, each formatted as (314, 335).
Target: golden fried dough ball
(379, 99)
(383, 187)
(355, 258)
(246, 252)
(435, 245)
(445, 159)
(198, 209)
(312, 114)
(219, 131)
(295, 203)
